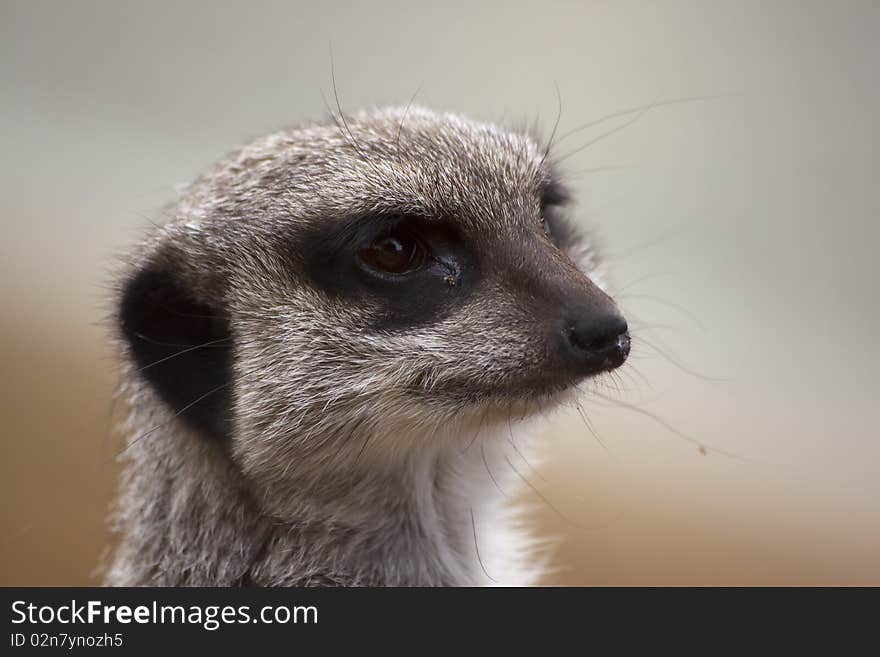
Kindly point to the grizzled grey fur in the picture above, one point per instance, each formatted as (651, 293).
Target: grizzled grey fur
(341, 446)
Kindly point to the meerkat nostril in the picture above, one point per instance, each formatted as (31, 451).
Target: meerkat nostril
(597, 343)
(597, 334)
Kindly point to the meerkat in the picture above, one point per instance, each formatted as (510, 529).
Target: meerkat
(334, 346)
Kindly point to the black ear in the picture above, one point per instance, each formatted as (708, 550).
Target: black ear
(181, 345)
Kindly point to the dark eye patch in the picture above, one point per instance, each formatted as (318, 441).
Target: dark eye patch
(554, 199)
(554, 194)
(334, 265)
(559, 228)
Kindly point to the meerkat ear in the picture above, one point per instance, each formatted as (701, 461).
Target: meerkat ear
(180, 344)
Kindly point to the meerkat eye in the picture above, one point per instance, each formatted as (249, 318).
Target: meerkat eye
(397, 253)
(546, 227)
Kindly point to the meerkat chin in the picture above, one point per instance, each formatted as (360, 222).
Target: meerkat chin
(331, 347)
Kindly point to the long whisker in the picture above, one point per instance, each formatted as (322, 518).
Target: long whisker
(342, 118)
(640, 108)
(182, 352)
(646, 277)
(555, 125)
(701, 446)
(402, 119)
(477, 548)
(654, 241)
(176, 414)
(590, 427)
(585, 170)
(669, 304)
(517, 450)
(634, 371)
(639, 113)
(684, 368)
(477, 431)
(354, 143)
(243, 377)
(489, 471)
(604, 135)
(551, 505)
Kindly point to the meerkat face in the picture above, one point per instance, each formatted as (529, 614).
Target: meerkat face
(404, 268)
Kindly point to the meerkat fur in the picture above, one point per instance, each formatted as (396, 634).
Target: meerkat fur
(297, 419)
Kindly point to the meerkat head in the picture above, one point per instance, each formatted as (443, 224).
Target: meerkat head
(335, 293)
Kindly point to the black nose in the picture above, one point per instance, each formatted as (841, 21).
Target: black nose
(596, 343)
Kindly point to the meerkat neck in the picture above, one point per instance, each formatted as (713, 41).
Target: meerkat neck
(189, 517)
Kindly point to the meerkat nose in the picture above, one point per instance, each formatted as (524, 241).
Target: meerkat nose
(596, 343)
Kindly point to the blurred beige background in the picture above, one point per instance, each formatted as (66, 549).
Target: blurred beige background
(742, 231)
